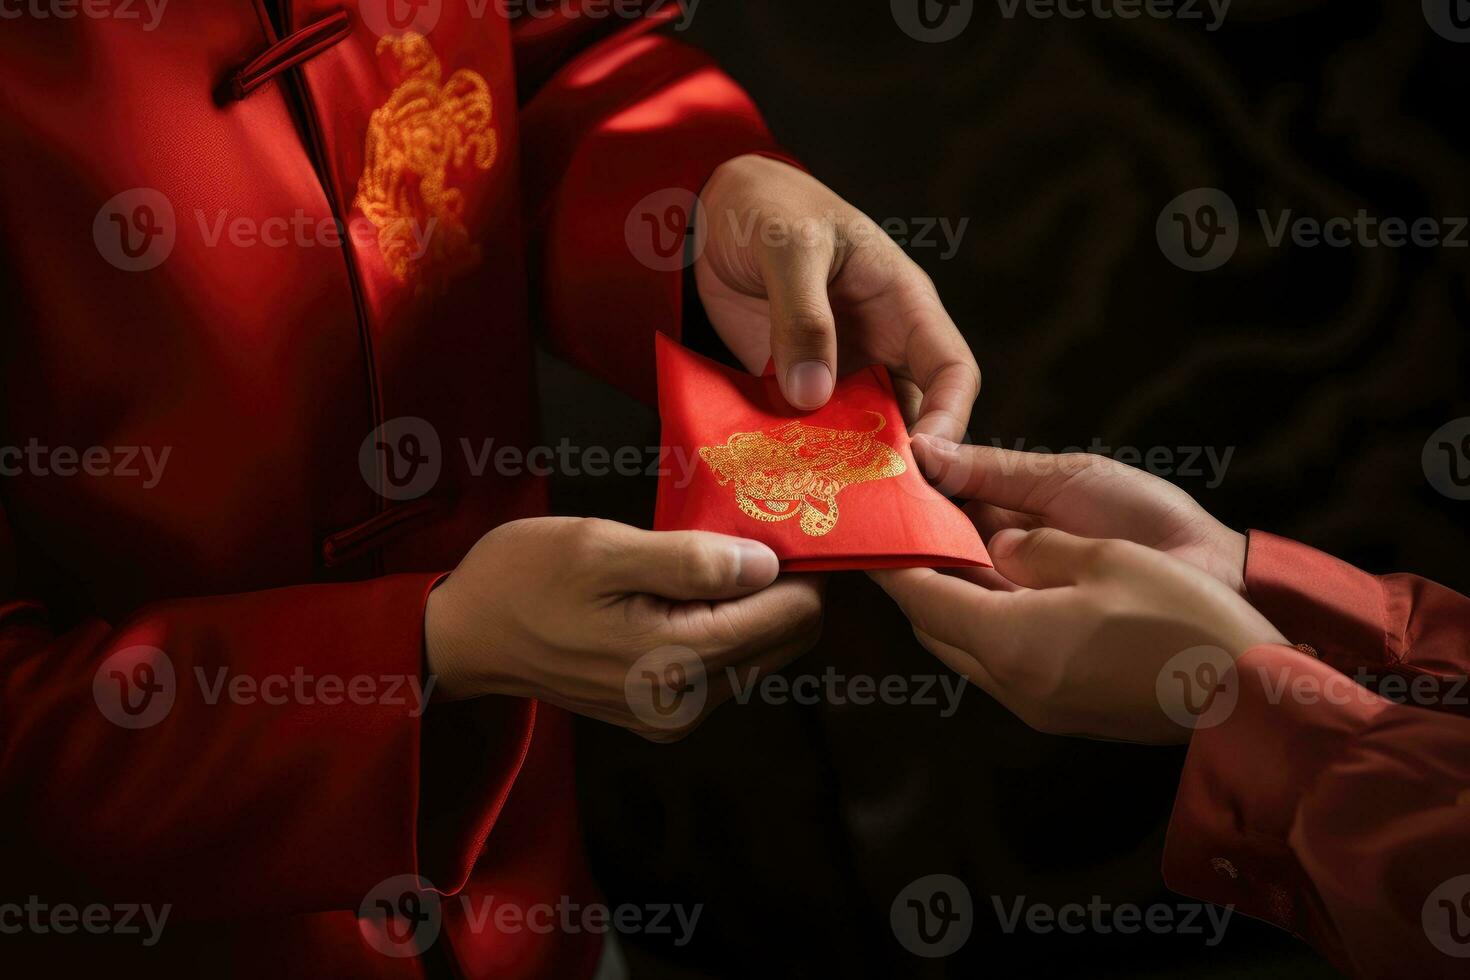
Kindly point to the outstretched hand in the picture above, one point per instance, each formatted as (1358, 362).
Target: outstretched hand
(1105, 579)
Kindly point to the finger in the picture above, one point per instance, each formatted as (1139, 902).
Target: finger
(989, 519)
(941, 606)
(1045, 558)
(681, 565)
(743, 666)
(786, 612)
(986, 578)
(803, 330)
(962, 663)
(940, 362)
(1006, 478)
(959, 661)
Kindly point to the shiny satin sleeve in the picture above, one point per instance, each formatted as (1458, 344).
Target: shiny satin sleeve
(129, 770)
(617, 142)
(1340, 813)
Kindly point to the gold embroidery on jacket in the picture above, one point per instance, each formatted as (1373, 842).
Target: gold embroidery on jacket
(413, 140)
(799, 469)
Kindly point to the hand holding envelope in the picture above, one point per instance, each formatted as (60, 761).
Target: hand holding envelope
(833, 489)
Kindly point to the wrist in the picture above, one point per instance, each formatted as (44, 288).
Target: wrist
(444, 648)
(467, 652)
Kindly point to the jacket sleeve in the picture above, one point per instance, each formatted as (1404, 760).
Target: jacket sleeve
(1368, 626)
(236, 755)
(620, 133)
(1340, 813)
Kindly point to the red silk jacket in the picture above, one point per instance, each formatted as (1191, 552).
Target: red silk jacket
(167, 211)
(1327, 809)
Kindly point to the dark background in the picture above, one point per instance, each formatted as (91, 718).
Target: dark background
(1325, 369)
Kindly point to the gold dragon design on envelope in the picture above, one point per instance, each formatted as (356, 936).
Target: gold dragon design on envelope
(798, 469)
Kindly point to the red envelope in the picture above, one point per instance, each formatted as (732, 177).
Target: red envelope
(835, 489)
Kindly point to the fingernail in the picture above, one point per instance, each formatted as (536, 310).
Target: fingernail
(758, 564)
(1004, 542)
(809, 384)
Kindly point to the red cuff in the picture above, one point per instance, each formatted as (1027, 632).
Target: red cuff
(617, 147)
(1313, 598)
(470, 753)
(470, 756)
(1245, 777)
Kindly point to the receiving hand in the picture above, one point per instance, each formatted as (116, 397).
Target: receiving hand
(791, 271)
(1083, 494)
(565, 609)
(1078, 648)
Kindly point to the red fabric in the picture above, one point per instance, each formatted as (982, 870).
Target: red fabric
(1323, 807)
(605, 156)
(828, 490)
(263, 365)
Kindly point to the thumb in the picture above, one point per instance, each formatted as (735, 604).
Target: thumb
(1044, 558)
(686, 565)
(803, 330)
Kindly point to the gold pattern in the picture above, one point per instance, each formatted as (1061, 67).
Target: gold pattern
(797, 468)
(413, 140)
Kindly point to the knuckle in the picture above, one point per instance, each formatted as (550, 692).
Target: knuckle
(703, 567)
(801, 621)
(919, 278)
(588, 543)
(805, 322)
(1106, 555)
(810, 611)
(1037, 541)
(1095, 466)
(724, 628)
